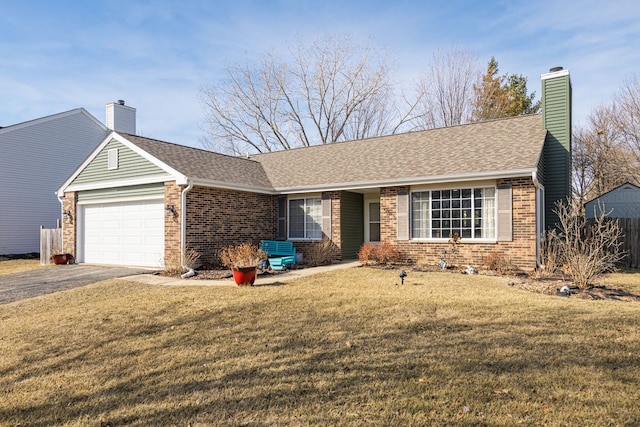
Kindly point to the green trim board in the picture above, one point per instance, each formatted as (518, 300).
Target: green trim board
(128, 192)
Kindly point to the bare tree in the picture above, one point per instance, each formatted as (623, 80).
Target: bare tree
(330, 90)
(445, 91)
(627, 116)
(606, 151)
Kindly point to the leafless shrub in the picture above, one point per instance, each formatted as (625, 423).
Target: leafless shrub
(589, 248)
(174, 264)
(550, 256)
(366, 254)
(499, 263)
(242, 255)
(382, 253)
(321, 253)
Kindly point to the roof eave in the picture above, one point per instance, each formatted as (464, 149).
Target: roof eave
(481, 176)
(233, 186)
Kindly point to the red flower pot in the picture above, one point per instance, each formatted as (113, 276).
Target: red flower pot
(60, 259)
(244, 276)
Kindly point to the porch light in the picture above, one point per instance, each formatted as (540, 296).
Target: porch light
(67, 216)
(171, 210)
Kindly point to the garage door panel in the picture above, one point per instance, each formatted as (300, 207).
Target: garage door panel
(127, 233)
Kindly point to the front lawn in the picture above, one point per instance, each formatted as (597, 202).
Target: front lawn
(10, 266)
(349, 347)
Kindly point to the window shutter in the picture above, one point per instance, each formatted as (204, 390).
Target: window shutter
(402, 214)
(326, 217)
(505, 214)
(282, 219)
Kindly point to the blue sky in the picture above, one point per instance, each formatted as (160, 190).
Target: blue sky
(156, 55)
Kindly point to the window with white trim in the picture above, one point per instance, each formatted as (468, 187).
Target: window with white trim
(305, 218)
(470, 212)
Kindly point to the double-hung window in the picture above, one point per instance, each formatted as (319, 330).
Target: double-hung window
(438, 214)
(305, 218)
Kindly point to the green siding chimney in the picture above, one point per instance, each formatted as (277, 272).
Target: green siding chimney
(556, 119)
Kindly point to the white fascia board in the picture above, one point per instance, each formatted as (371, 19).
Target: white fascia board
(517, 173)
(553, 74)
(235, 187)
(180, 178)
(122, 183)
(174, 174)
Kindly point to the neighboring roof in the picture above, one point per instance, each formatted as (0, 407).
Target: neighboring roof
(626, 184)
(205, 167)
(52, 117)
(499, 148)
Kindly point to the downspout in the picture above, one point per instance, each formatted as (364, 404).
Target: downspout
(183, 230)
(536, 184)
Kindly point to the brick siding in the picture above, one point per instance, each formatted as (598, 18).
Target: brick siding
(217, 218)
(305, 246)
(521, 250)
(172, 196)
(70, 226)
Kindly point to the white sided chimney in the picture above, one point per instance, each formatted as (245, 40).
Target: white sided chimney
(121, 118)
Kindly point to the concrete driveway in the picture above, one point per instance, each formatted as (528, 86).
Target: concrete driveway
(17, 286)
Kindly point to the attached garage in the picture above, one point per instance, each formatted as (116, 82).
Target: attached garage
(123, 233)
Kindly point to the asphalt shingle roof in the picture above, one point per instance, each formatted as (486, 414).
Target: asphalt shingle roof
(513, 144)
(466, 150)
(205, 165)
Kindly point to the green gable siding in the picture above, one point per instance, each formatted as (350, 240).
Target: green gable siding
(131, 192)
(131, 165)
(556, 109)
(351, 223)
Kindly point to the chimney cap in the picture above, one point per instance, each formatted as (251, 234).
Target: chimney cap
(121, 101)
(555, 69)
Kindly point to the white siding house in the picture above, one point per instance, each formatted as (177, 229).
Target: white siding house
(35, 158)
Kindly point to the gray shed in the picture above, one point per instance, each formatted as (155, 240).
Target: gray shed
(622, 202)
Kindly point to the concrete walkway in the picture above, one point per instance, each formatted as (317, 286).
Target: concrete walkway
(152, 279)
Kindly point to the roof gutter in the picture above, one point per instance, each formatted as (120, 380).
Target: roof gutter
(534, 178)
(516, 173)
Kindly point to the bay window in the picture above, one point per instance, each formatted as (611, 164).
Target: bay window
(470, 212)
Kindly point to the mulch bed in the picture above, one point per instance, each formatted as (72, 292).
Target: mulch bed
(224, 274)
(548, 286)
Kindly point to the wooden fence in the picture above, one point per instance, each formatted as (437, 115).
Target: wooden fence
(50, 242)
(630, 241)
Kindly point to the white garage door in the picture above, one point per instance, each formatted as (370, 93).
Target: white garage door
(128, 233)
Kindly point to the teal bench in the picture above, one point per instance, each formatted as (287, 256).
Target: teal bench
(281, 254)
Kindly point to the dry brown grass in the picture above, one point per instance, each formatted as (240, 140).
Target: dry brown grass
(20, 265)
(350, 347)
